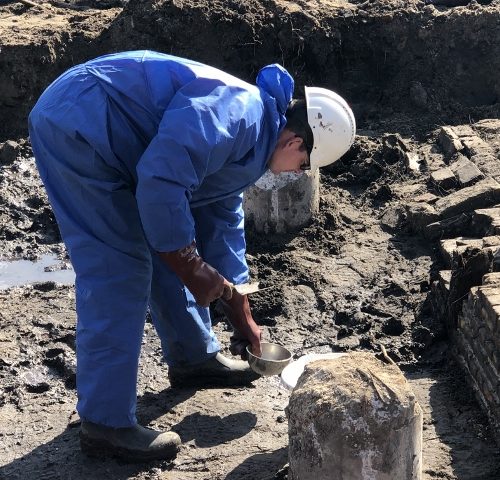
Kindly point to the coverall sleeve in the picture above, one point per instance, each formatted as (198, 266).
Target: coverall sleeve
(220, 237)
(205, 125)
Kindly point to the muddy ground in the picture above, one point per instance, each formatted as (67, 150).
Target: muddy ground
(356, 278)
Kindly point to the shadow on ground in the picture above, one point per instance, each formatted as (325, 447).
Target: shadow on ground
(454, 422)
(276, 461)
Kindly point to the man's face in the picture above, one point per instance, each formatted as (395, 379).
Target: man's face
(289, 155)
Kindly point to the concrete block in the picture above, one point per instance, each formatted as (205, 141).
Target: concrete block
(481, 195)
(282, 203)
(355, 415)
(466, 172)
(444, 179)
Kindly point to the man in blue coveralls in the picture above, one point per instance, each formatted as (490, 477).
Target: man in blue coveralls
(144, 157)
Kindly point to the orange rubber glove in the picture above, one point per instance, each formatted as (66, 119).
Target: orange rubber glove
(246, 331)
(203, 281)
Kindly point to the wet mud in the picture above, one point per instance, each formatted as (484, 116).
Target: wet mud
(356, 279)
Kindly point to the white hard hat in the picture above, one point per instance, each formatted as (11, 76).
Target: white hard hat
(332, 123)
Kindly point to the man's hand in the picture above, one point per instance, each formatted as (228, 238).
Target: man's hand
(246, 331)
(204, 282)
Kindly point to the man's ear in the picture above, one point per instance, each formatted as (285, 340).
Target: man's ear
(295, 142)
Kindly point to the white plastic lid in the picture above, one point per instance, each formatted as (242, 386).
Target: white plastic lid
(292, 372)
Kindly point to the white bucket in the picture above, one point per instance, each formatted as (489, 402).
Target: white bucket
(292, 372)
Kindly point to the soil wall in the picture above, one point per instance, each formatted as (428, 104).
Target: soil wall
(384, 57)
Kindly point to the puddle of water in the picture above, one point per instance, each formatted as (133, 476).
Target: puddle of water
(24, 272)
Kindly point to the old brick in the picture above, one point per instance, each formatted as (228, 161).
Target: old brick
(457, 245)
(419, 215)
(488, 311)
(449, 140)
(434, 161)
(475, 146)
(466, 172)
(488, 126)
(493, 298)
(429, 198)
(449, 227)
(484, 333)
(481, 195)
(444, 279)
(488, 346)
(488, 163)
(444, 179)
(495, 359)
(491, 241)
(486, 220)
(490, 374)
(463, 131)
(491, 278)
(495, 412)
(496, 336)
(461, 323)
(487, 393)
(412, 161)
(489, 320)
(471, 360)
(489, 390)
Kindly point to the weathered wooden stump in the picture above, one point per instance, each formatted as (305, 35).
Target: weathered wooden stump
(354, 418)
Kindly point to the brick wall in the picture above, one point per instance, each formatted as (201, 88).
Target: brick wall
(466, 223)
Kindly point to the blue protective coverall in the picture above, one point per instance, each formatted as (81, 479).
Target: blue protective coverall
(142, 152)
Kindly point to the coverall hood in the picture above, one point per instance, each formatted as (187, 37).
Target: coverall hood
(278, 84)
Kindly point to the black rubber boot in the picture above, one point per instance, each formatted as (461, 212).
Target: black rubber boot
(132, 444)
(218, 371)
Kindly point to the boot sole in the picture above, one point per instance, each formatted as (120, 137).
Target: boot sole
(98, 448)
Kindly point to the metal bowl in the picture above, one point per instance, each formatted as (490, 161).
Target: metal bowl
(273, 360)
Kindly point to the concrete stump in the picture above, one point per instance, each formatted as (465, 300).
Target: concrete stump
(282, 203)
(354, 418)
